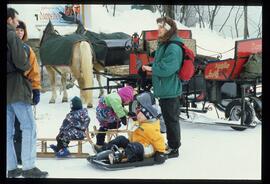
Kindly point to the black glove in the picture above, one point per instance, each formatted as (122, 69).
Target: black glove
(36, 96)
(152, 54)
(132, 115)
(124, 120)
(141, 73)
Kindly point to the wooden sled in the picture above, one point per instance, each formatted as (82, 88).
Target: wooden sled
(46, 152)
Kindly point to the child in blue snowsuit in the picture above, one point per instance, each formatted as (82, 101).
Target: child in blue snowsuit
(73, 127)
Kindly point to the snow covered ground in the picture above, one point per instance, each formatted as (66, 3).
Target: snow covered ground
(207, 151)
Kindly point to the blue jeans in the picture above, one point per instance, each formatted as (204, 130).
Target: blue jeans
(24, 113)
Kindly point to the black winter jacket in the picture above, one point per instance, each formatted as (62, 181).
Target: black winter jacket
(19, 88)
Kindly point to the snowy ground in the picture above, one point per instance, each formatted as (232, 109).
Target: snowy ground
(207, 151)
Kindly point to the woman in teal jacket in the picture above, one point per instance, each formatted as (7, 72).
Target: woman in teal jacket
(166, 84)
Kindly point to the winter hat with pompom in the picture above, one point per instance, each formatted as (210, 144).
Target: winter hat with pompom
(126, 93)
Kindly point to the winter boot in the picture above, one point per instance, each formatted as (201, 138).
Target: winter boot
(34, 173)
(54, 148)
(103, 155)
(111, 158)
(90, 158)
(14, 173)
(98, 148)
(172, 153)
(160, 157)
(64, 152)
(115, 157)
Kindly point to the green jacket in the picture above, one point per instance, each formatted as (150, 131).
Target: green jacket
(114, 101)
(19, 88)
(166, 83)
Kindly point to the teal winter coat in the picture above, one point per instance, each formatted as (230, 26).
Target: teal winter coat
(166, 65)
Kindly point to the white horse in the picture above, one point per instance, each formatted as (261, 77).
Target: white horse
(81, 68)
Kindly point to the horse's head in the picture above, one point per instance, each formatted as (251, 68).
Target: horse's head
(49, 30)
(80, 29)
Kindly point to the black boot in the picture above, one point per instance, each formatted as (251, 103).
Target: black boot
(115, 157)
(101, 136)
(14, 173)
(172, 153)
(160, 157)
(34, 173)
(100, 148)
(103, 155)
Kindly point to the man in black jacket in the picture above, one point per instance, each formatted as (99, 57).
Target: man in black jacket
(19, 104)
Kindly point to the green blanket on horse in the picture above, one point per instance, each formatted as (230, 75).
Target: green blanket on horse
(57, 50)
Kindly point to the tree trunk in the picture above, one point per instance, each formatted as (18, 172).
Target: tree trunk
(160, 9)
(200, 14)
(259, 27)
(235, 22)
(226, 19)
(212, 16)
(106, 6)
(169, 11)
(246, 34)
(202, 17)
(114, 6)
(183, 12)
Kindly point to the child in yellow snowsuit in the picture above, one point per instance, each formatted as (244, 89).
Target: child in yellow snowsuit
(146, 139)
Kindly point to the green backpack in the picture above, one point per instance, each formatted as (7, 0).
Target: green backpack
(253, 67)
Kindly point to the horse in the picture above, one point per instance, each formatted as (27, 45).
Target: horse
(97, 66)
(81, 67)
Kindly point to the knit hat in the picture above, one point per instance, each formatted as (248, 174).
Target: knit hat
(126, 93)
(147, 101)
(76, 103)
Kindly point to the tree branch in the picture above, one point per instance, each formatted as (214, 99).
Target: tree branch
(226, 19)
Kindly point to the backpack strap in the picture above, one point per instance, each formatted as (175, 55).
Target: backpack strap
(180, 44)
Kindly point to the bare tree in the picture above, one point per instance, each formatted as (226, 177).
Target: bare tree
(169, 11)
(200, 11)
(259, 27)
(212, 14)
(160, 9)
(226, 19)
(187, 15)
(183, 12)
(114, 7)
(236, 20)
(106, 6)
(246, 33)
(166, 10)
